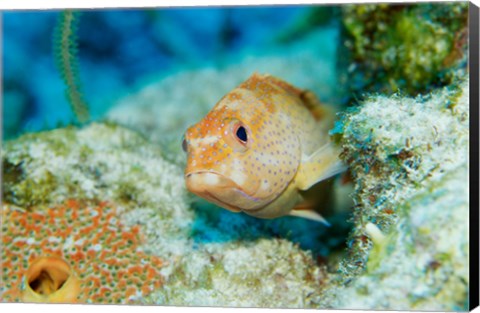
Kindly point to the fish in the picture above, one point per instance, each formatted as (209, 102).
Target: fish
(260, 148)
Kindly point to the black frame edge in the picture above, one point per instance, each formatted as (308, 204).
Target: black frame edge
(473, 60)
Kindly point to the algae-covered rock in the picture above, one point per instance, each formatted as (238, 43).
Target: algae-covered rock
(102, 161)
(261, 273)
(409, 160)
(408, 47)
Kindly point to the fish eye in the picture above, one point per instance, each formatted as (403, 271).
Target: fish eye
(184, 144)
(237, 136)
(241, 134)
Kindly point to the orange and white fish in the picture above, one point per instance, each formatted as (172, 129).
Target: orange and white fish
(260, 147)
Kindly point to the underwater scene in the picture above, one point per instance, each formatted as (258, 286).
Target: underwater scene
(260, 156)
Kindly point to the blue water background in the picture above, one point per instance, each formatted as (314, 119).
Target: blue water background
(119, 50)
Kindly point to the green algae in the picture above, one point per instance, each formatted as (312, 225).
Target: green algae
(412, 48)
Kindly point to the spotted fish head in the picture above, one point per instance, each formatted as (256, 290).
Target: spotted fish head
(244, 153)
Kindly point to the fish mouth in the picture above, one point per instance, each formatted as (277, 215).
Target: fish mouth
(221, 203)
(220, 190)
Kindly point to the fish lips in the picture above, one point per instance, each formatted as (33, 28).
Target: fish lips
(218, 189)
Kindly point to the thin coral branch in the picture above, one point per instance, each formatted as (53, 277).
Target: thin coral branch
(65, 50)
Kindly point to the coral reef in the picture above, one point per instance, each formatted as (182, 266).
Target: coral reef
(120, 166)
(261, 273)
(225, 254)
(102, 252)
(409, 160)
(101, 162)
(408, 248)
(133, 234)
(406, 47)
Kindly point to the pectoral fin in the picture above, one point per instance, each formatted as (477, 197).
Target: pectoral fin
(322, 164)
(311, 215)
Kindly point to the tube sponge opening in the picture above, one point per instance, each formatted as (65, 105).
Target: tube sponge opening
(50, 279)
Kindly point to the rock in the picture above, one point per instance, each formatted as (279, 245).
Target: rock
(410, 48)
(409, 159)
